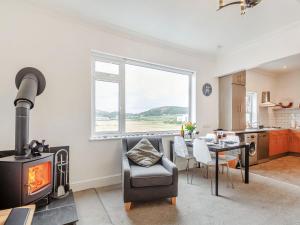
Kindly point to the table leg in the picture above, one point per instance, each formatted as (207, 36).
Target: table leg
(171, 151)
(247, 149)
(217, 175)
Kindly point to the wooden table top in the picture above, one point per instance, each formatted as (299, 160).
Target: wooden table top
(5, 213)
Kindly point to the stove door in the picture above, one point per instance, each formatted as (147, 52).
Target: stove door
(37, 179)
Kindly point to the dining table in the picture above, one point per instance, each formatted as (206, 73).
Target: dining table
(217, 148)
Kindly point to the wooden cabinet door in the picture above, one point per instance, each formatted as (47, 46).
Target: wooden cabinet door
(236, 107)
(273, 144)
(297, 147)
(239, 78)
(294, 142)
(279, 142)
(283, 142)
(243, 78)
(286, 141)
(236, 78)
(242, 102)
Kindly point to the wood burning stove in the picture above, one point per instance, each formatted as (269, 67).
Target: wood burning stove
(24, 181)
(27, 176)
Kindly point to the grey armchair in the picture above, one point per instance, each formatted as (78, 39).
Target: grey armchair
(144, 184)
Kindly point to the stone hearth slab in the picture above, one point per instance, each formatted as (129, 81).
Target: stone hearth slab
(58, 212)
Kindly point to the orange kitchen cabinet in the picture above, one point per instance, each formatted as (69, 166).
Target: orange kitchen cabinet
(273, 143)
(294, 141)
(284, 142)
(279, 142)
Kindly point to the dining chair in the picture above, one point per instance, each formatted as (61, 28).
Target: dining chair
(234, 154)
(211, 137)
(181, 151)
(202, 155)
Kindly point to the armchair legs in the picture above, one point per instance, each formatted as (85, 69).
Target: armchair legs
(127, 206)
(173, 200)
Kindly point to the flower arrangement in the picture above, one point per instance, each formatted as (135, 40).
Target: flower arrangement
(190, 127)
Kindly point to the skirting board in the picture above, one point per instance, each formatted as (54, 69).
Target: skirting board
(96, 182)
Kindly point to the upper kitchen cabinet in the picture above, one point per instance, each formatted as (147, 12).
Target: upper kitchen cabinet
(232, 101)
(239, 78)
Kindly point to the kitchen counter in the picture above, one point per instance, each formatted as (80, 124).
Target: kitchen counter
(248, 131)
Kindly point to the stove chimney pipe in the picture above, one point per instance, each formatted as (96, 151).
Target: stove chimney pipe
(31, 83)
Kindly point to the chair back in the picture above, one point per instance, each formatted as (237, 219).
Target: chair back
(233, 138)
(236, 139)
(211, 137)
(201, 151)
(180, 147)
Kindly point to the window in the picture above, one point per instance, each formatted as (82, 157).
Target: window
(251, 110)
(107, 106)
(132, 97)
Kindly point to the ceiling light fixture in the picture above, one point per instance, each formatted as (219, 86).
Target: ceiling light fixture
(243, 3)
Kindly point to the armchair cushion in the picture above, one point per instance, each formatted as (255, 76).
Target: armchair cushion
(155, 175)
(144, 154)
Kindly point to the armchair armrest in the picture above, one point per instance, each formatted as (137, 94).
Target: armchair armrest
(126, 184)
(171, 167)
(125, 172)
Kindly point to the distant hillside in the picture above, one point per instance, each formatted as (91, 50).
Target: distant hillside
(100, 113)
(164, 110)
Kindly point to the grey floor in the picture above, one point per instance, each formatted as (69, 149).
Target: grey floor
(263, 201)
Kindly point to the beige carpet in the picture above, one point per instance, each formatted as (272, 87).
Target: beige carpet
(286, 169)
(263, 201)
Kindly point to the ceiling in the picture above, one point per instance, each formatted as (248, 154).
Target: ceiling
(282, 66)
(190, 24)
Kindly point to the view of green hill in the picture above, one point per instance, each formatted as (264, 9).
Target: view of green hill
(164, 110)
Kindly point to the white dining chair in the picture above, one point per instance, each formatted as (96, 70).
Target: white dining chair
(211, 137)
(234, 154)
(181, 151)
(202, 155)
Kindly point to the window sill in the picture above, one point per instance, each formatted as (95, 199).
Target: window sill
(119, 137)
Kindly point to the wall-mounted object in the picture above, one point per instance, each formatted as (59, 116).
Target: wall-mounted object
(244, 4)
(289, 105)
(207, 89)
(266, 99)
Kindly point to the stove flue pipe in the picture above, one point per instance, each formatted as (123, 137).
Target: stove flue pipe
(31, 83)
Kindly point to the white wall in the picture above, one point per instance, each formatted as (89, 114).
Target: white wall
(287, 86)
(282, 43)
(283, 87)
(258, 82)
(61, 47)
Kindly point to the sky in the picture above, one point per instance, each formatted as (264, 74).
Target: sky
(145, 88)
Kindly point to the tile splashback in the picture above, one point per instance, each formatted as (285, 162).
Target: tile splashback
(282, 118)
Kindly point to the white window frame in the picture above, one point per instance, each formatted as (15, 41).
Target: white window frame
(252, 93)
(120, 79)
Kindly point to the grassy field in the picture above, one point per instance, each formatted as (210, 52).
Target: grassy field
(137, 125)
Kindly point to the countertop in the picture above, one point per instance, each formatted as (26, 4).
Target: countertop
(248, 131)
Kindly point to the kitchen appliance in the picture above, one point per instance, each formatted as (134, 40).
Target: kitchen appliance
(251, 138)
(263, 147)
(266, 99)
